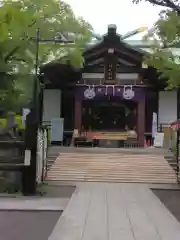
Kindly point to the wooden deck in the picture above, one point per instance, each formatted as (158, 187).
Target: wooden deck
(114, 212)
(111, 167)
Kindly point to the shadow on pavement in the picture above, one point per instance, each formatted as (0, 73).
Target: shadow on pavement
(27, 225)
(171, 199)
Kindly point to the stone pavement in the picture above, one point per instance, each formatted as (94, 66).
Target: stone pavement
(113, 212)
(27, 218)
(33, 204)
(27, 225)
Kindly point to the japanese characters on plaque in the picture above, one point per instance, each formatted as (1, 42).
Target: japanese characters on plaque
(109, 72)
(110, 68)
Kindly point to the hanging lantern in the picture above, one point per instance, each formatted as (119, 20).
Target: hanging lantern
(128, 92)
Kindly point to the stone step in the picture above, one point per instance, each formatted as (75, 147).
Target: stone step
(114, 180)
(112, 169)
(169, 157)
(115, 167)
(172, 162)
(140, 178)
(70, 172)
(126, 171)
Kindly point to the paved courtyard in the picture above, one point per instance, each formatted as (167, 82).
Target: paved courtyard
(113, 212)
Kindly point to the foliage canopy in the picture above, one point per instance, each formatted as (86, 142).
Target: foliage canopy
(19, 21)
(166, 39)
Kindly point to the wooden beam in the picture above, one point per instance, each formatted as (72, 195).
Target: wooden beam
(127, 55)
(95, 62)
(120, 69)
(95, 55)
(120, 85)
(121, 61)
(120, 53)
(94, 47)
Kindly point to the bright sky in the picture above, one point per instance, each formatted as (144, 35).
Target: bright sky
(126, 16)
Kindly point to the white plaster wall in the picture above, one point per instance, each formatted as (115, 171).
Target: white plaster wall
(127, 76)
(51, 104)
(167, 107)
(92, 75)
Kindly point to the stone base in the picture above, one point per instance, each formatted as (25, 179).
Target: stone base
(119, 144)
(109, 143)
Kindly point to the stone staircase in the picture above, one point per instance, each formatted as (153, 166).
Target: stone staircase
(110, 167)
(53, 154)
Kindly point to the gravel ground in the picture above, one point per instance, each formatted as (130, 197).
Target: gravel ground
(171, 199)
(26, 225)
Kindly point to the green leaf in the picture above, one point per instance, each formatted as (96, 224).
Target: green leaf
(19, 21)
(165, 57)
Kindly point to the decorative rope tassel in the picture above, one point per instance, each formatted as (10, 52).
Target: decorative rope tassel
(93, 87)
(113, 88)
(124, 90)
(106, 91)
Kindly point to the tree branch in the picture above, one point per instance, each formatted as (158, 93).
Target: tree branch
(18, 59)
(158, 3)
(163, 3)
(172, 5)
(17, 47)
(9, 55)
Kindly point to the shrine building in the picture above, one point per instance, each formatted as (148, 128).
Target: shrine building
(114, 95)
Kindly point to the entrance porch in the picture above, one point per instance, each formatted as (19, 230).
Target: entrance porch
(111, 118)
(110, 114)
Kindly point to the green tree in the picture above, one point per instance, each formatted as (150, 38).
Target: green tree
(166, 35)
(19, 21)
(170, 4)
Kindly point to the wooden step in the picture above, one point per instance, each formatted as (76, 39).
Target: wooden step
(95, 167)
(117, 180)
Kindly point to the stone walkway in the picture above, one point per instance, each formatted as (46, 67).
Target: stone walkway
(33, 204)
(114, 212)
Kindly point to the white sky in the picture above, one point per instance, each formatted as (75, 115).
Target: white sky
(126, 16)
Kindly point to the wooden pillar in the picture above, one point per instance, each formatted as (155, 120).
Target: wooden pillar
(78, 113)
(29, 172)
(141, 121)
